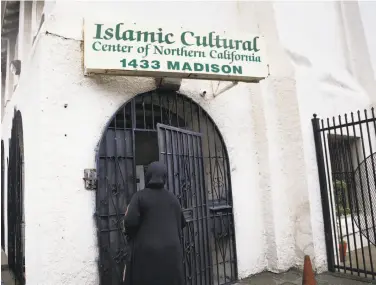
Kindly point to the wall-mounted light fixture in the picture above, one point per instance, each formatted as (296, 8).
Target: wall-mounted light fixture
(166, 83)
(225, 88)
(15, 67)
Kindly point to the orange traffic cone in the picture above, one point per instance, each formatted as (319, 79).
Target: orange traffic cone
(308, 275)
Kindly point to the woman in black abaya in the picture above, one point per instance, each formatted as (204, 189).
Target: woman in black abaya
(154, 221)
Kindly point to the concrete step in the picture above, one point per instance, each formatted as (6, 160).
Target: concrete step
(6, 276)
(4, 258)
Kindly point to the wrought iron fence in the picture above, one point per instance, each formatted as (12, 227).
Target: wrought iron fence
(346, 160)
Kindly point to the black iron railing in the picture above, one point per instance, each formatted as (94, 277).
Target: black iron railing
(346, 159)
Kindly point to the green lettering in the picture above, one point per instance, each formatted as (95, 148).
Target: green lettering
(237, 44)
(128, 35)
(144, 64)
(247, 46)
(124, 62)
(198, 67)
(145, 37)
(225, 43)
(237, 70)
(211, 44)
(167, 40)
(173, 66)
(95, 44)
(133, 63)
(231, 44)
(158, 49)
(104, 47)
(186, 66)
(215, 68)
(155, 64)
(117, 31)
(217, 42)
(226, 69)
(183, 39)
(255, 44)
(201, 41)
(109, 33)
(98, 33)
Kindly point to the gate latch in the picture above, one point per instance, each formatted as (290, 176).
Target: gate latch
(90, 179)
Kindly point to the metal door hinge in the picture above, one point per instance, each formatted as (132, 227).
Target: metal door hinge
(90, 179)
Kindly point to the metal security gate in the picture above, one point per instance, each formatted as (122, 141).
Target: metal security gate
(199, 175)
(16, 258)
(181, 151)
(115, 185)
(346, 159)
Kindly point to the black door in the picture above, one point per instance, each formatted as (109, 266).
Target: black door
(181, 151)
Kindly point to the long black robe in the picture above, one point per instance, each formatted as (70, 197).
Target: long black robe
(154, 222)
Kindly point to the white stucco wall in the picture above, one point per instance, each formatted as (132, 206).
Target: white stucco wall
(324, 85)
(266, 128)
(368, 11)
(27, 99)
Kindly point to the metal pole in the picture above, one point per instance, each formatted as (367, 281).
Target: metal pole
(324, 192)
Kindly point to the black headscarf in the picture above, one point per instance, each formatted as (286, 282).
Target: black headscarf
(156, 174)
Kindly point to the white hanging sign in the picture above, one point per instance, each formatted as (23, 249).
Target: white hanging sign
(155, 51)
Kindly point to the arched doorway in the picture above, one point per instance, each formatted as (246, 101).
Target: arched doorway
(170, 127)
(16, 238)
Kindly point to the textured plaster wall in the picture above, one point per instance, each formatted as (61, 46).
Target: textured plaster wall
(368, 11)
(27, 98)
(62, 240)
(266, 128)
(327, 83)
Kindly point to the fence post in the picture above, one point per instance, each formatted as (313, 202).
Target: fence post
(324, 192)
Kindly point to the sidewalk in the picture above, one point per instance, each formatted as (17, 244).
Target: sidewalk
(6, 276)
(294, 277)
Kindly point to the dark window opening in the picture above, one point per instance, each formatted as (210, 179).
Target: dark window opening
(342, 166)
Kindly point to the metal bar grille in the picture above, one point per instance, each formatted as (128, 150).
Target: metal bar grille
(198, 175)
(346, 158)
(185, 166)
